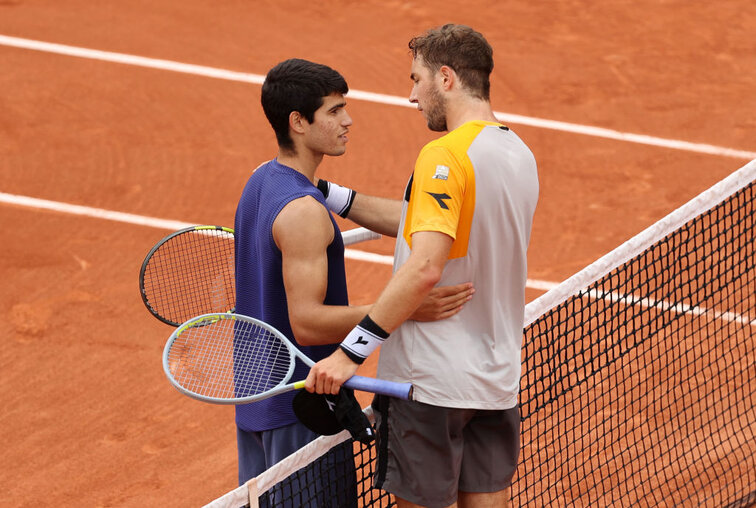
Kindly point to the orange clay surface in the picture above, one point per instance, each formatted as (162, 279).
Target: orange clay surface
(88, 418)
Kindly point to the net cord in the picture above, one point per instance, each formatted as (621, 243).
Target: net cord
(640, 242)
(240, 496)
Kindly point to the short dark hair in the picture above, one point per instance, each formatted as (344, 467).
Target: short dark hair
(461, 48)
(297, 85)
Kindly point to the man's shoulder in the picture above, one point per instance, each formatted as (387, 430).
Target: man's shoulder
(456, 141)
(274, 182)
(260, 171)
(305, 205)
(256, 177)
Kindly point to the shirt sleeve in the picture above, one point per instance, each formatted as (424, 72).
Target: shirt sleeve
(438, 190)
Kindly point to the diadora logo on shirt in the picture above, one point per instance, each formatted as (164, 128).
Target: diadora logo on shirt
(440, 199)
(442, 172)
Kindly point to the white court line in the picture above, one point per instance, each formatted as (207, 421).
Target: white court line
(173, 225)
(142, 220)
(358, 255)
(211, 72)
(665, 306)
(97, 213)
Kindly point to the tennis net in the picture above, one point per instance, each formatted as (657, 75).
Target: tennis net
(638, 378)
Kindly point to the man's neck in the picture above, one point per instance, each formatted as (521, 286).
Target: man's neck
(467, 109)
(302, 160)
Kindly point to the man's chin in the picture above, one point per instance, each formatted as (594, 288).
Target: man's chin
(337, 151)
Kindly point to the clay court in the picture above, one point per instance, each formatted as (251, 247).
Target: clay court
(656, 101)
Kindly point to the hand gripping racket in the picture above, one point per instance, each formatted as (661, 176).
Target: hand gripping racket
(234, 359)
(191, 272)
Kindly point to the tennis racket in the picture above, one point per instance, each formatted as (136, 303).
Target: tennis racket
(191, 272)
(226, 358)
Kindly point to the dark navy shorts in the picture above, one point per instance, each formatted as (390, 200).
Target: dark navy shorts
(260, 450)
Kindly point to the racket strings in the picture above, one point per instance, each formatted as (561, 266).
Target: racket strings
(261, 362)
(225, 358)
(191, 273)
(198, 254)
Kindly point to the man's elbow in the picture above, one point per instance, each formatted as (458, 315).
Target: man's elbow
(304, 335)
(429, 276)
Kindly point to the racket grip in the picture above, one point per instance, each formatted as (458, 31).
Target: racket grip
(381, 386)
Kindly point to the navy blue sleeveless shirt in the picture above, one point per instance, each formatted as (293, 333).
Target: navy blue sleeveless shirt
(260, 289)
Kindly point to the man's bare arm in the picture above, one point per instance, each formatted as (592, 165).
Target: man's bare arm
(401, 297)
(413, 280)
(303, 231)
(381, 215)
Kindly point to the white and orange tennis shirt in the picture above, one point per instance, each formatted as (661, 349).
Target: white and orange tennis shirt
(479, 185)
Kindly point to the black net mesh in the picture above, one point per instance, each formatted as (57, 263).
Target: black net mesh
(340, 478)
(639, 390)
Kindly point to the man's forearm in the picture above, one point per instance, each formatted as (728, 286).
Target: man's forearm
(404, 294)
(325, 324)
(381, 215)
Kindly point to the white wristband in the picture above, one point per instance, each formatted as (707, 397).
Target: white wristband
(338, 199)
(363, 340)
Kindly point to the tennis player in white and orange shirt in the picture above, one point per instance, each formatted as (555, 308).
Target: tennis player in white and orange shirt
(466, 216)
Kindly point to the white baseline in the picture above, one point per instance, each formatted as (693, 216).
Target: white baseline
(173, 225)
(211, 72)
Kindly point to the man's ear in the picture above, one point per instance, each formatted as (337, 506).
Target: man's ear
(296, 122)
(447, 77)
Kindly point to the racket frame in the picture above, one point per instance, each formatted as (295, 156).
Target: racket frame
(154, 249)
(392, 389)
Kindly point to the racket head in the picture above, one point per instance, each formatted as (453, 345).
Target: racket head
(189, 272)
(226, 358)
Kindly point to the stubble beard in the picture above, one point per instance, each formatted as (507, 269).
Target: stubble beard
(435, 111)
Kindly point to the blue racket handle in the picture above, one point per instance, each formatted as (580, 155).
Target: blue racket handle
(372, 385)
